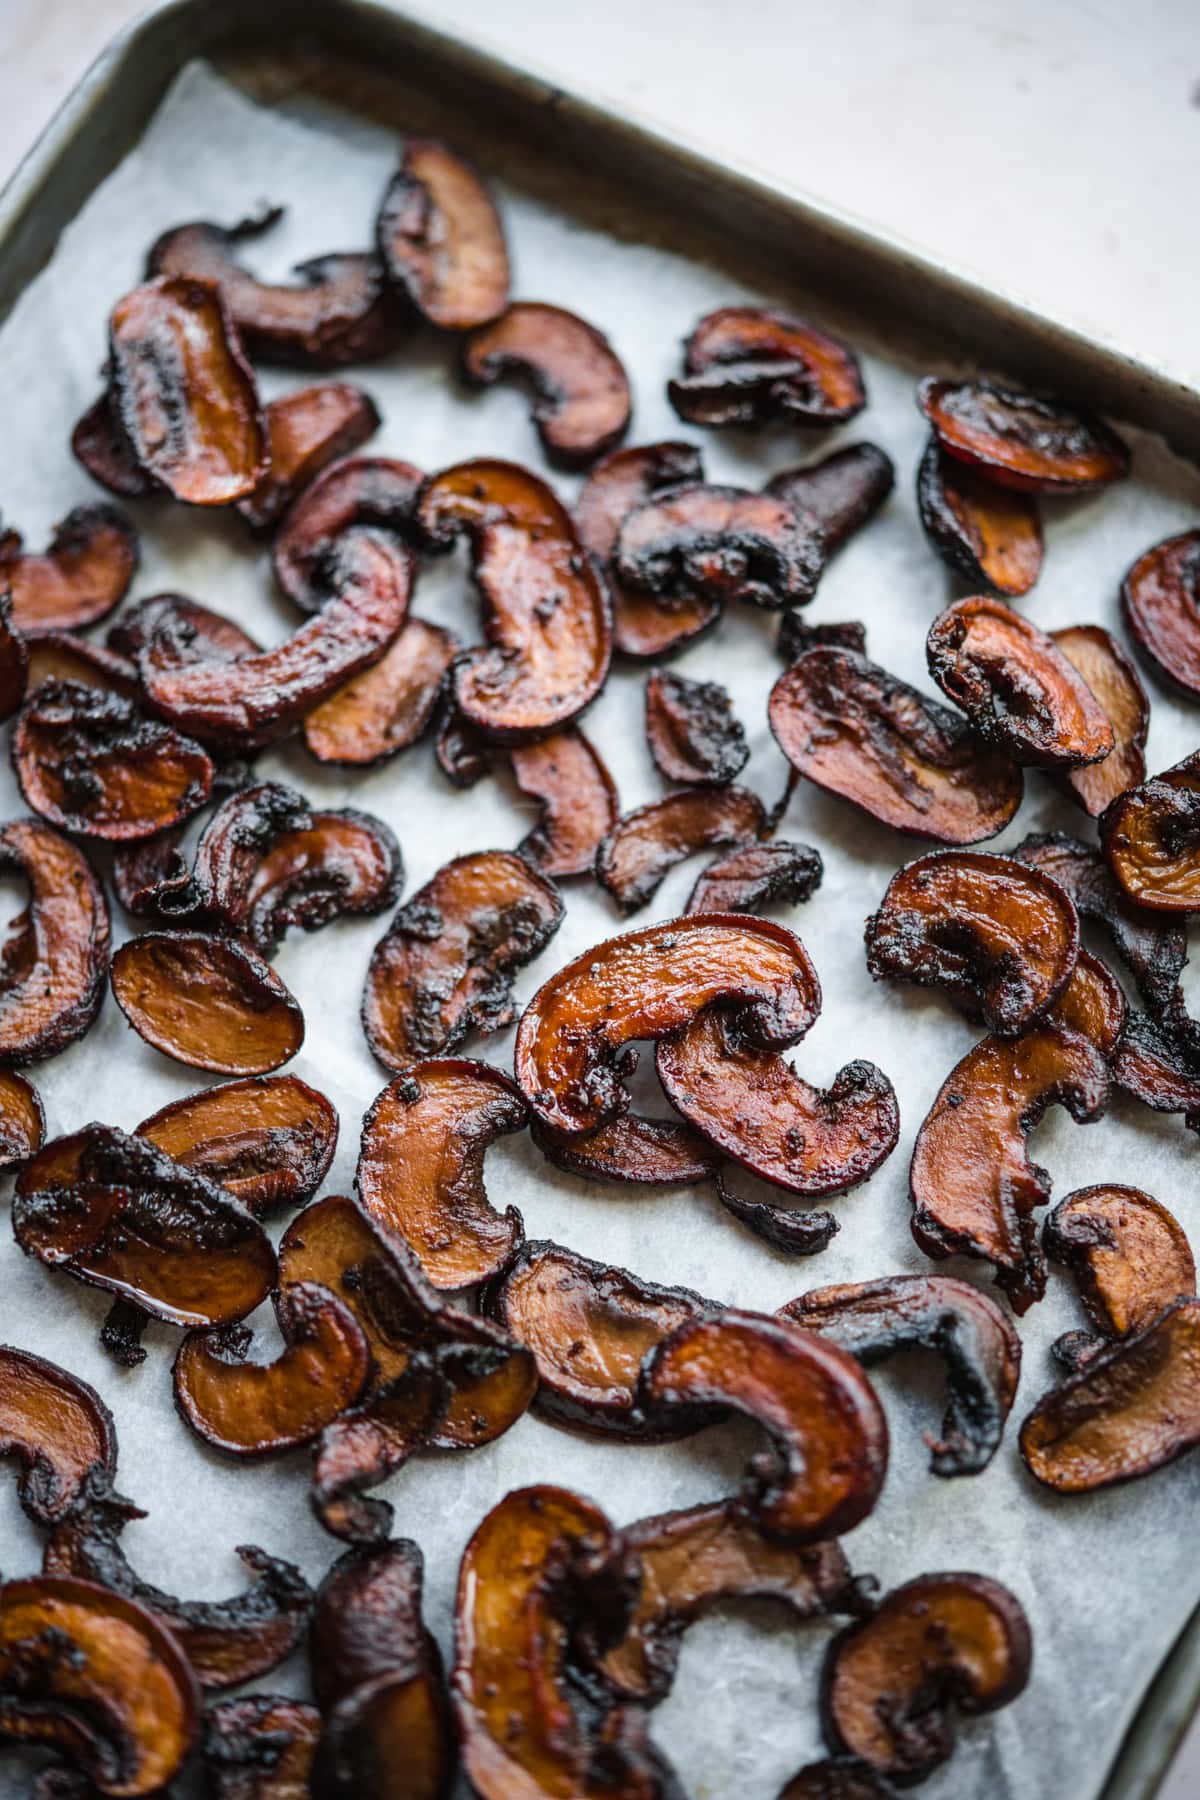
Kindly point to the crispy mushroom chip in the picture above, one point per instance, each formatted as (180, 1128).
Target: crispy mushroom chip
(387, 707)
(798, 635)
(1130, 1257)
(744, 365)
(1151, 837)
(583, 404)
(375, 492)
(691, 728)
(14, 661)
(441, 239)
(566, 775)
(1160, 602)
(207, 1001)
(837, 1778)
(260, 1747)
(59, 1430)
(647, 1152)
(841, 493)
(1019, 440)
(641, 850)
(306, 430)
(755, 876)
(53, 963)
(83, 574)
(1114, 681)
(719, 543)
(269, 1139)
(793, 1230)
(1158, 1060)
(987, 534)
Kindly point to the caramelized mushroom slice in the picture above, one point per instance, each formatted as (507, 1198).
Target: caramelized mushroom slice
(195, 631)
(693, 733)
(261, 1747)
(61, 656)
(441, 239)
(999, 937)
(117, 1213)
(755, 876)
(797, 636)
(1130, 1257)
(210, 1002)
(84, 573)
(874, 1319)
(388, 706)
(987, 534)
(639, 853)
(720, 543)
(1158, 1061)
(1019, 440)
(649, 1152)
(1021, 693)
(837, 1778)
(828, 1434)
(546, 613)
(306, 430)
(1114, 681)
(857, 731)
(892, 1680)
(53, 964)
(59, 1430)
(841, 493)
(93, 1675)
(1151, 837)
(367, 1621)
(567, 776)
(463, 753)
(793, 1230)
(392, 1735)
(445, 965)
(269, 1139)
(744, 365)
(98, 445)
(1159, 599)
(22, 1119)
(590, 1329)
(183, 393)
(582, 405)
(373, 491)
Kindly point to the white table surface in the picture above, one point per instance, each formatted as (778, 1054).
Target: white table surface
(1050, 146)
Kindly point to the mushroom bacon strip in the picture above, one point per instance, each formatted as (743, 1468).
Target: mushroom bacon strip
(85, 572)
(53, 964)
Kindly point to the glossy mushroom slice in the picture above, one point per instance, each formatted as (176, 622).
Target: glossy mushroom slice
(98, 445)
(387, 707)
(367, 1621)
(1158, 1060)
(1161, 605)
(93, 1675)
(1151, 837)
(260, 1747)
(841, 493)
(755, 876)
(61, 656)
(1114, 681)
(720, 543)
(1019, 440)
(59, 1430)
(54, 961)
(78, 579)
(1000, 938)
(892, 1681)
(792, 1230)
(693, 733)
(183, 394)
(639, 853)
(441, 239)
(22, 1119)
(306, 430)
(1130, 1258)
(875, 1319)
(420, 1168)
(797, 635)
(566, 775)
(857, 731)
(744, 365)
(582, 403)
(990, 535)
(1021, 693)
(444, 967)
(648, 1152)
(196, 631)
(269, 1139)
(207, 1001)
(378, 492)
(547, 619)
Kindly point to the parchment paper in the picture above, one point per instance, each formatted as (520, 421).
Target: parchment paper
(1107, 1581)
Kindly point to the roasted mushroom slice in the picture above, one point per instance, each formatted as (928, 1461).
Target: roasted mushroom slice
(462, 752)
(744, 365)
(582, 402)
(1151, 837)
(52, 966)
(792, 1230)
(1160, 601)
(445, 965)
(392, 1735)
(1130, 1257)
(195, 631)
(99, 446)
(22, 1119)
(986, 533)
(837, 1778)
(567, 777)
(93, 1675)
(692, 730)
(1020, 692)
(719, 543)
(841, 493)
(639, 853)
(260, 1747)
(1114, 681)
(358, 491)
(306, 430)
(367, 1621)
(982, 1352)
(207, 1001)
(1158, 1060)
(1019, 440)
(441, 239)
(999, 937)
(84, 573)
(892, 1680)
(59, 1430)
(547, 618)
(61, 656)
(388, 706)
(648, 1152)
(755, 876)
(855, 730)
(269, 1139)
(797, 635)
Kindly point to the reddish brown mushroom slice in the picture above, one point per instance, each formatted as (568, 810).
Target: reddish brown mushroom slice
(260, 1747)
(100, 448)
(797, 636)
(566, 775)
(892, 1681)
(378, 492)
(59, 1430)
(441, 239)
(195, 631)
(755, 876)
(1161, 605)
(207, 1001)
(387, 707)
(53, 963)
(1000, 938)
(647, 1152)
(1021, 693)
(306, 430)
(462, 752)
(875, 1319)
(1151, 837)
(837, 1778)
(393, 1733)
(692, 730)
(1158, 1060)
(721, 543)
(841, 493)
(582, 405)
(93, 1675)
(546, 613)
(1114, 681)
(1019, 440)
(989, 535)
(78, 579)
(1130, 1258)
(746, 364)
(857, 731)
(367, 1621)
(61, 656)
(269, 1139)
(639, 853)
(444, 967)
(22, 1119)
(792, 1230)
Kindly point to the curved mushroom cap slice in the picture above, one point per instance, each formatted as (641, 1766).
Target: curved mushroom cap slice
(547, 618)
(83, 574)
(391, 1735)
(645, 984)
(260, 1747)
(583, 405)
(1019, 440)
(22, 1119)
(1000, 938)
(986, 533)
(445, 965)
(855, 730)
(746, 364)
(692, 730)
(566, 774)
(841, 493)
(420, 1169)
(183, 393)
(98, 445)
(1151, 837)
(649, 1152)
(94, 1675)
(367, 1621)
(197, 633)
(794, 1230)
(641, 850)
(1115, 683)
(58, 1428)
(387, 707)
(827, 1429)
(306, 430)
(441, 239)
(269, 1139)
(755, 876)
(891, 1680)
(874, 1319)
(461, 751)
(61, 656)
(722, 543)
(1160, 602)
(53, 965)
(590, 1329)
(207, 1001)
(1158, 1060)
(1128, 1254)
(337, 865)
(379, 492)
(1021, 693)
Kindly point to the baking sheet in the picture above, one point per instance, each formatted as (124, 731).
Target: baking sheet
(1107, 1581)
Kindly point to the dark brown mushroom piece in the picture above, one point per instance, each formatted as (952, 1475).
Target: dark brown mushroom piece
(1019, 440)
(98, 445)
(58, 1429)
(754, 876)
(1021, 693)
(990, 535)
(85, 571)
(306, 430)
(445, 965)
(582, 403)
(54, 961)
(837, 1778)
(260, 1747)
(792, 1230)
(391, 1735)
(387, 707)
(1129, 1256)
(841, 493)
(940, 1644)
(1114, 681)
(798, 635)
(461, 751)
(14, 661)
(1158, 1060)
(371, 1442)
(207, 1001)
(441, 239)
(639, 853)
(566, 775)
(693, 733)
(269, 1139)
(367, 1621)
(982, 1352)
(61, 656)
(547, 619)
(358, 492)
(22, 1119)
(859, 732)
(744, 365)
(195, 631)
(999, 937)
(1161, 605)
(1151, 838)
(647, 1152)
(719, 543)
